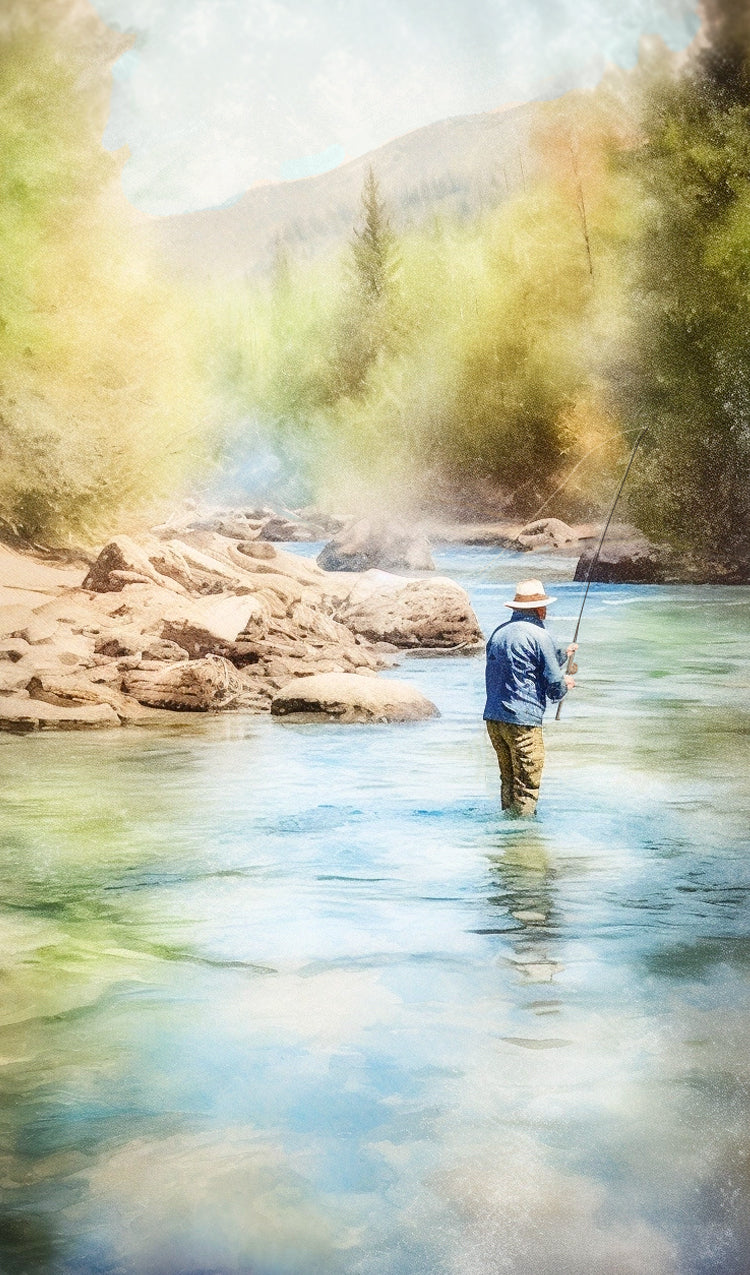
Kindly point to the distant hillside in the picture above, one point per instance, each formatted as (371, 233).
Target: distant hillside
(456, 166)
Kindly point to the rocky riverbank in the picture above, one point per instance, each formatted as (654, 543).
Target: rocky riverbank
(205, 614)
(212, 620)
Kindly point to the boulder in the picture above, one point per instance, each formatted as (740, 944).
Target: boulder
(365, 544)
(211, 626)
(257, 513)
(282, 563)
(352, 697)
(546, 533)
(167, 561)
(123, 562)
(240, 562)
(234, 526)
(433, 613)
(70, 690)
(260, 549)
(633, 561)
(191, 686)
(63, 688)
(23, 714)
(328, 524)
(278, 528)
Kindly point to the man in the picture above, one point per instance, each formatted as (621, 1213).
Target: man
(524, 671)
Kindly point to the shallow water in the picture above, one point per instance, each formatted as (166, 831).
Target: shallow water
(286, 999)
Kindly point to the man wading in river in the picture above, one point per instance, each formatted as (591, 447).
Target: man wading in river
(524, 671)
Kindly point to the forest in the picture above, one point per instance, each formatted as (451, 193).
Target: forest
(465, 364)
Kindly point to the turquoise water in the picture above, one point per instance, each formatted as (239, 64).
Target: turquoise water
(291, 999)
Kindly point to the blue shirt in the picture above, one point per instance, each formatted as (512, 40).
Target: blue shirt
(524, 671)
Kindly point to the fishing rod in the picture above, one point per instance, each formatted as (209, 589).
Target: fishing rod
(596, 448)
(595, 559)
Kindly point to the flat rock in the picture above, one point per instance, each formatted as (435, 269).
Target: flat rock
(635, 560)
(191, 686)
(283, 563)
(71, 691)
(23, 714)
(434, 613)
(67, 690)
(63, 655)
(211, 625)
(351, 697)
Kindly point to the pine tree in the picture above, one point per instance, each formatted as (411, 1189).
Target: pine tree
(375, 263)
(368, 324)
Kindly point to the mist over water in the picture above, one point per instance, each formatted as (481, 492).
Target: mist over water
(288, 999)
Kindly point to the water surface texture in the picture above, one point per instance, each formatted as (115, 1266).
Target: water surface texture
(295, 999)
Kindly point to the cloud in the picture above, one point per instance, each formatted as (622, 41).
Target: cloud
(211, 1201)
(220, 94)
(518, 1213)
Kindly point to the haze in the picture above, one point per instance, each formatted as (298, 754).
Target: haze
(218, 95)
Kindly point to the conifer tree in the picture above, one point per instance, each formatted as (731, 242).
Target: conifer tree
(368, 324)
(374, 257)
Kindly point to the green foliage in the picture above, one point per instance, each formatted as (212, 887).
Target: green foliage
(451, 355)
(102, 399)
(690, 372)
(367, 324)
(508, 348)
(375, 263)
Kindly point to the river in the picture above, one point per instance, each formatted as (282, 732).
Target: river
(296, 1000)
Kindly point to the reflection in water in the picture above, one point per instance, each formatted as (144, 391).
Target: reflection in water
(298, 1000)
(524, 879)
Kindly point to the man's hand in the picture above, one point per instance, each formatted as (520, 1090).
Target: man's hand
(571, 650)
(570, 682)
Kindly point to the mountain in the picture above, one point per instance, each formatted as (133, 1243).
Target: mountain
(456, 167)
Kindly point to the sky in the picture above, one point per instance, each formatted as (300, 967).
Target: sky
(216, 96)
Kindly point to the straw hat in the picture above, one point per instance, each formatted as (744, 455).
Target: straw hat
(529, 595)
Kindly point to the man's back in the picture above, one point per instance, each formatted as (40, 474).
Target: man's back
(523, 671)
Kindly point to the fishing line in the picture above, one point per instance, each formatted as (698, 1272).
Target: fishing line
(597, 447)
(598, 550)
